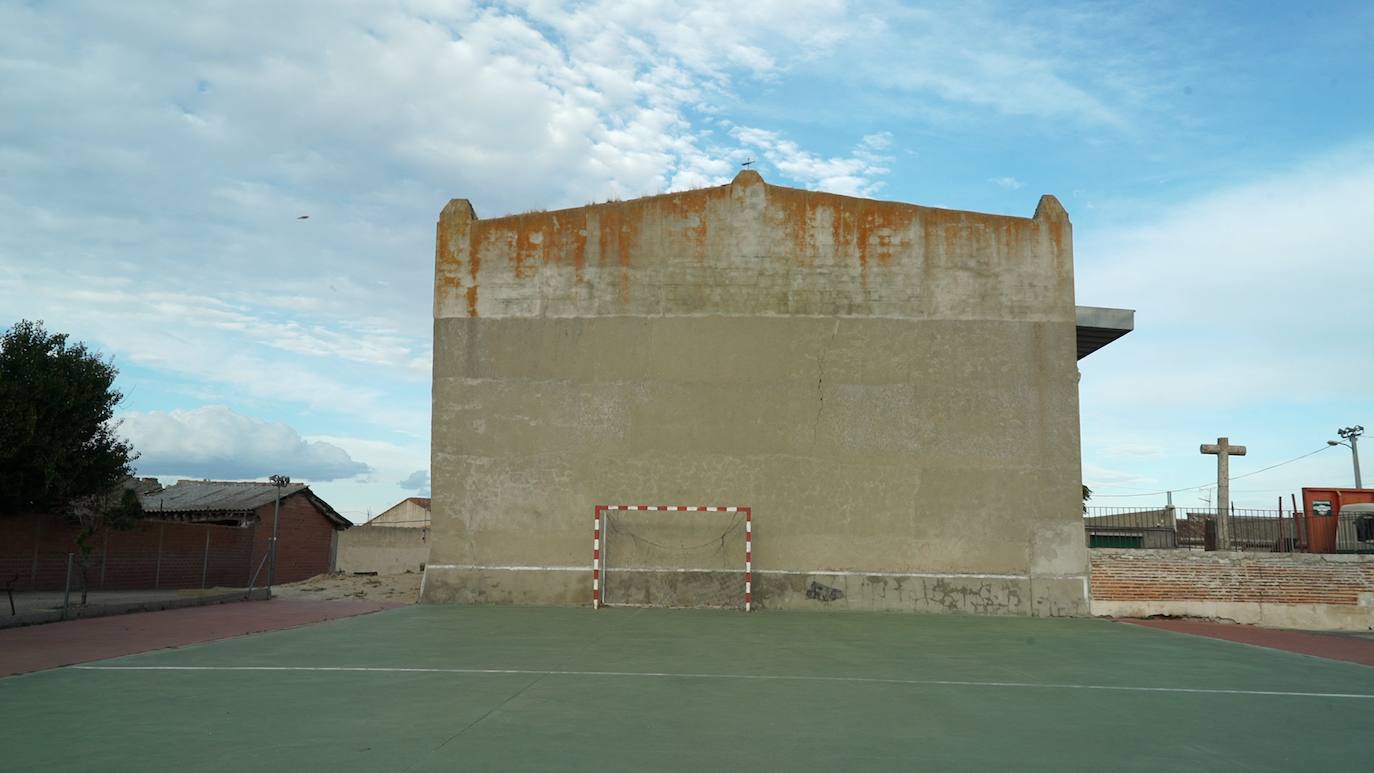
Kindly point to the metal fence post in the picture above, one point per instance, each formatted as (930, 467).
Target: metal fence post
(205, 562)
(157, 572)
(67, 590)
(37, 543)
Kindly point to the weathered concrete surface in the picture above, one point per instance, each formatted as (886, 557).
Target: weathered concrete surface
(38, 607)
(383, 549)
(1304, 617)
(892, 388)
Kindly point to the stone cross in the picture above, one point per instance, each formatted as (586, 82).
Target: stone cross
(1223, 449)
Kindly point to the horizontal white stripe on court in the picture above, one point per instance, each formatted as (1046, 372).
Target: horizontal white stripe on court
(826, 572)
(671, 508)
(512, 568)
(752, 677)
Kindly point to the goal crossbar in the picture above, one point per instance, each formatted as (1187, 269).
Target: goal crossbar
(597, 542)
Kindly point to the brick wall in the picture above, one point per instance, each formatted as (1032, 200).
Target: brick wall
(307, 539)
(155, 554)
(1282, 589)
(165, 554)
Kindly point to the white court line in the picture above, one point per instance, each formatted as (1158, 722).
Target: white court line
(756, 677)
(806, 572)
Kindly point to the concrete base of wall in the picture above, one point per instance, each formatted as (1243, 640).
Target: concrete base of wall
(898, 592)
(107, 609)
(1309, 617)
(448, 584)
(926, 593)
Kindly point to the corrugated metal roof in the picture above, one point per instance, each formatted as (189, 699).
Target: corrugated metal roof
(142, 486)
(188, 496)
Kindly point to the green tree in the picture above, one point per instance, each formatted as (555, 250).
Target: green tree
(59, 453)
(1087, 494)
(58, 444)
(118, 509)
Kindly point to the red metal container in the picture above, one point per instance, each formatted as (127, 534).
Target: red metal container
(1322, 507)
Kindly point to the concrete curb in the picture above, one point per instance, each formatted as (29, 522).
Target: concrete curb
(107, 610)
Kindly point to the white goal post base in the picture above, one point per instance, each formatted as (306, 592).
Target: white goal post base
(598, 537)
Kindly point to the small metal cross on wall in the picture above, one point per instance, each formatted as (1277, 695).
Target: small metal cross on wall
(1223, 449)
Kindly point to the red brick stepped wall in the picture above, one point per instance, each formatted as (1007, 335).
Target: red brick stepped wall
(1281, 589)
(35, 551)
(168, 554)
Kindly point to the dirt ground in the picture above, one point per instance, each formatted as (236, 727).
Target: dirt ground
(402, 588)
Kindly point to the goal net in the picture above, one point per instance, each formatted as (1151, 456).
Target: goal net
(672, 556)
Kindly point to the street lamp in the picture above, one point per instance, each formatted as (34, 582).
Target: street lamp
(1351, 434)
(281, 482)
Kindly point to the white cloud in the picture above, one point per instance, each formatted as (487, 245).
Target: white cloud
(1242, 296)
(1010, 183)
(214, 442)
(209, 132)
(876, 141)
(971, 59)
(232, 345)
(1248, 325)
(158, 161)
(416, 481)
(362, 497)
(852, 175)
(155, 161)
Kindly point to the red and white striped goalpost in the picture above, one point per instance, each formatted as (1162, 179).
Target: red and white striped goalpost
(748, 542)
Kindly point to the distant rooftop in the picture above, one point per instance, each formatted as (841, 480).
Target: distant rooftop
(218, 495)
(193, 499)
(386, 517)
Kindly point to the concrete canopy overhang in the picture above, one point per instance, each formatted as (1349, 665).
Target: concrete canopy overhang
(1099, 326)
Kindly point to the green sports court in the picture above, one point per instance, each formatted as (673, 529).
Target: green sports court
(529, 688)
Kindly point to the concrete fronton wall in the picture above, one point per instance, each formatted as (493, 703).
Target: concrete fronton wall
(383, 549)
(891, 388)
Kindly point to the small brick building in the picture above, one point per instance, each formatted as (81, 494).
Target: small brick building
(197, 533)
(308, 531)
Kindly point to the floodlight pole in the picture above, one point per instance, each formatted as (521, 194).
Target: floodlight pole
(1353, 435)
(1355, 458)
(280, 482)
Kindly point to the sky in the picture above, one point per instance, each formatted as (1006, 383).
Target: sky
(1217, 160)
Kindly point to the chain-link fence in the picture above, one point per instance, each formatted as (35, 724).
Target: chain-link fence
(49, 564)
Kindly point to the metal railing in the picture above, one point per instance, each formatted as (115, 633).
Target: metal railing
(1253, 530)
